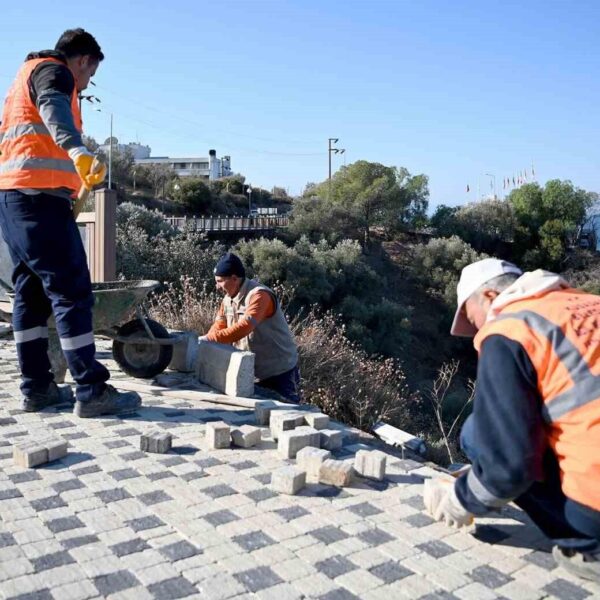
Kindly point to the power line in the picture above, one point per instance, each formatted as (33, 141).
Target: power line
(226, 131)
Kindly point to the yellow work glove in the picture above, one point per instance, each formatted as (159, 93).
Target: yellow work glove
(91, 170)
(442, 504)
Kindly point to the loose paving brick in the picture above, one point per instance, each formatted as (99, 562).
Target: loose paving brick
(292, 441)
(336, 472)
(218, 435)
(246, 436)
(288, 480)
(262, 412)
(310, 460)
(331, 439)
(370, 464)
(316, 420)
(155, 441)
(281, 421)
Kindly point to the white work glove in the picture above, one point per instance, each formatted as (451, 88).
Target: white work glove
(442, 504)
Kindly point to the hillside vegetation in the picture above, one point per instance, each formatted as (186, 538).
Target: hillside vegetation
(370, 298)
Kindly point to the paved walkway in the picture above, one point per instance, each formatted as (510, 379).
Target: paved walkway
(111, 521)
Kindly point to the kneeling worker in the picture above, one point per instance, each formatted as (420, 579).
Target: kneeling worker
(251, 318)
(534, 434)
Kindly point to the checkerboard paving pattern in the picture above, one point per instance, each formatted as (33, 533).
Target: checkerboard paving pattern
(111, 521)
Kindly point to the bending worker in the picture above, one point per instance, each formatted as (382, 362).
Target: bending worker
(43, 164)
(534, 434)
(251, 318)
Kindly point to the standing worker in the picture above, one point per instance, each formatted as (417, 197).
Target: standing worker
(251, 318)
(534, 434)
(43, 164)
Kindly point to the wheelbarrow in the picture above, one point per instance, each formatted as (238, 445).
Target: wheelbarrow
(141, 347)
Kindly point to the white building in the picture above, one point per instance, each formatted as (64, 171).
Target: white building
(137, 150)
(209, 167)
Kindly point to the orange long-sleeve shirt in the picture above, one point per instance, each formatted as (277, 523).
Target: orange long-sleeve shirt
(260, 307)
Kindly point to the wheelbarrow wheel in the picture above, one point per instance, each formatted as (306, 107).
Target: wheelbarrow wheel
(142, 360)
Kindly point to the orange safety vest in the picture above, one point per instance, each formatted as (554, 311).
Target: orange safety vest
(29, 157)
(560, 332)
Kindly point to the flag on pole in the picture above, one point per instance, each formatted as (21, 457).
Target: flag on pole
(468, 188)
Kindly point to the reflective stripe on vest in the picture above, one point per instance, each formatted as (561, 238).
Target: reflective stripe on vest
(16, 131)
(586, 385)
(38, 164)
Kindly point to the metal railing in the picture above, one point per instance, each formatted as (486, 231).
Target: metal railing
(210, 224)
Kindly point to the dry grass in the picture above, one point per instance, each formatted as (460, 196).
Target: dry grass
(185, 306)
(337, 376)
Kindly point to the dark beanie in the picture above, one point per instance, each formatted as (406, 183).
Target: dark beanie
(230, 264)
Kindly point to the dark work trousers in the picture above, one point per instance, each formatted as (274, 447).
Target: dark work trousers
(287, 385)
(567, 523)
(50, 276)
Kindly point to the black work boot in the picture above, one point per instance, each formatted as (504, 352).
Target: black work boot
(53, 396)
(583, 564)
(110, 402)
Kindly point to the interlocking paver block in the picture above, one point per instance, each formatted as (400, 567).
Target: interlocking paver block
(262, 412)
(258, 579)
(115, 582)
(157, 441)
(336, 472)
(218, 435)
(246, 436)
(30, 454)
(185, 351)
(316, 420)
(291, 441)
(370, 464)
(288, 480)
(284, 421)
(176, 587)
(310, 460)
(56, 449)
(331, 439)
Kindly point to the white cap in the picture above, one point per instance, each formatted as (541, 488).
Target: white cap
(472, 277)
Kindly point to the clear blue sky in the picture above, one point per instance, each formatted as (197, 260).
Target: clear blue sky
(451, 89)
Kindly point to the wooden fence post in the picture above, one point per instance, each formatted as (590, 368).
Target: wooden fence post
(105, 238)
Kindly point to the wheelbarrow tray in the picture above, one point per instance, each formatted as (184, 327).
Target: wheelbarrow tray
(115, 300)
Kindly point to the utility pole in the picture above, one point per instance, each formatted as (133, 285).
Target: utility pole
(331, 149)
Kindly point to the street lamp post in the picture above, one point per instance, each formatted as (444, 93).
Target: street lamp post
(110, 149)
(249, 201)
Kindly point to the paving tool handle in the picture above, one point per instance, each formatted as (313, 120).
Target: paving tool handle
(84, 191)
